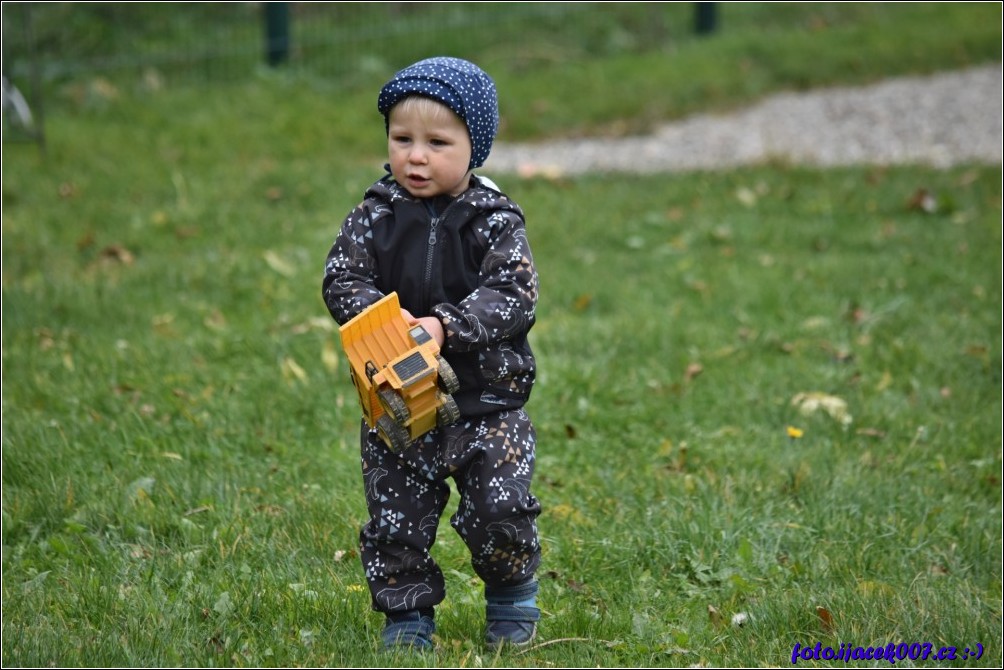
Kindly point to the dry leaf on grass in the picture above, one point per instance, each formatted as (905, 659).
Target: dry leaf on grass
(812, 402)
(825, 618)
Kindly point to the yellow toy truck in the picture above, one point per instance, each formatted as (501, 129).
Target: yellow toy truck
(403, 382)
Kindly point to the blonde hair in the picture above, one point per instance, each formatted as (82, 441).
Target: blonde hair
(427, 107)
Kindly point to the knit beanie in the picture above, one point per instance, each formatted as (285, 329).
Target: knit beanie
(460, 85)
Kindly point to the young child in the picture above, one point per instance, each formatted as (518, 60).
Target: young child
(455, 249)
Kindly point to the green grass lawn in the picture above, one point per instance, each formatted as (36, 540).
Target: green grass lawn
(181, 482)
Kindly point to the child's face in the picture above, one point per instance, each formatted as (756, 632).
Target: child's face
(429, 149)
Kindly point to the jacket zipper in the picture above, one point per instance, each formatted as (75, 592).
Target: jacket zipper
(430, 252)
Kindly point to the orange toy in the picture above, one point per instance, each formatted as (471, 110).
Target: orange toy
(404, 385)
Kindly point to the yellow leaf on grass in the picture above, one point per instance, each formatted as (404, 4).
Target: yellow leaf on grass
(885, 382)
(291, 370)
(567, 512)
(278, 264)
(813, 401)
(871, 588)
(582, 301)
(329, 357)
(714, 616)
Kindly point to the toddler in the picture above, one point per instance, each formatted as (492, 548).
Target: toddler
(455, 249)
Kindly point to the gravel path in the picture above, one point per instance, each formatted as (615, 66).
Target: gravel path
(937, 120)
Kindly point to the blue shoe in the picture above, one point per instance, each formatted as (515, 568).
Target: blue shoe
(511, 614)
(409, 630)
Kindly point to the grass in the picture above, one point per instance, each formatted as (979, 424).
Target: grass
(180, 473)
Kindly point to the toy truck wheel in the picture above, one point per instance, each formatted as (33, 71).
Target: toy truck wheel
(393, 434)
(394, 404)
(448, 381)
(448, 412)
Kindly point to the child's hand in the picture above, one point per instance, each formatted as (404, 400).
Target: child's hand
(432, 325)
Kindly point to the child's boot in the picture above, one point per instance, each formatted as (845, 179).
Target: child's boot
(412, 629)
(511, 614)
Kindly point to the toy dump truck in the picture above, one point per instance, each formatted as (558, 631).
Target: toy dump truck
(403, 382)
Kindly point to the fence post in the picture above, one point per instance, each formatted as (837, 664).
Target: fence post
(705, 18)
(276, 32)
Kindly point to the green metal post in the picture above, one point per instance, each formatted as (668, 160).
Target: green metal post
(705, 18)
(276, 32)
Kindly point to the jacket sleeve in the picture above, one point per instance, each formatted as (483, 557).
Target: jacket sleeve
(350, 274)
(503, 306)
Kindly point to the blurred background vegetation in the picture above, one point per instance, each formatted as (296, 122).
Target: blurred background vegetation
(568, 68)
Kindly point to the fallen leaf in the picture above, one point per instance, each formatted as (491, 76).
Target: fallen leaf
(681, 459)
(322, 323)
(160, 320)
(139, 551)
(116, 252)
(329, 357)
(141, 488)
(714, 616)
(692, 371)
(278, 264)
(825, 618)
(215, 320)
(814, 401)
(85, 242)
(563, 511)
(873, 588)
(291, 370)
(922, 200)
(746, 196)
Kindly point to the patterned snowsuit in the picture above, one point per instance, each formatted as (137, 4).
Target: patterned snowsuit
(466, 261)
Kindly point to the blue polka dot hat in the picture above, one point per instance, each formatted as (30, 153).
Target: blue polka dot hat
(460, 85)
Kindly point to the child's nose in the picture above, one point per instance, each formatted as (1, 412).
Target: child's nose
(417, 155)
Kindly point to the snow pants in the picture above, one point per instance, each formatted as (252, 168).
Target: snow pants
(491, 459)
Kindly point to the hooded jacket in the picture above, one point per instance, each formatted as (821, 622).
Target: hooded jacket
(464, 260)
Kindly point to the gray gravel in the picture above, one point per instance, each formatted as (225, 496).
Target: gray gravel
(938, 120)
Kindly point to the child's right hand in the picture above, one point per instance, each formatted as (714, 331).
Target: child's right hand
(432, 325)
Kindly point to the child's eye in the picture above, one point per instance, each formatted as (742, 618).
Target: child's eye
(439, 143)
(401, 139)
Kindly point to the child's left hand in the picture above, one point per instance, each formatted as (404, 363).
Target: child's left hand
(432, 325)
